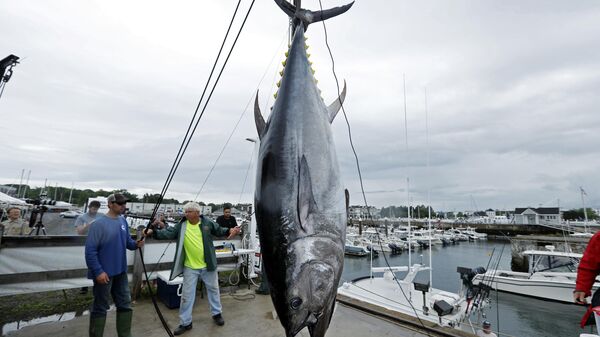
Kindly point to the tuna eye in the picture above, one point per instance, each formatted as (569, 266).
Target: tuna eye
(295, 303)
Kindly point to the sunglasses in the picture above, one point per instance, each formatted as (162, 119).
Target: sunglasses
(119, 203)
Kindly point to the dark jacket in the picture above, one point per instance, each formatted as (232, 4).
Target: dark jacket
(208, 228)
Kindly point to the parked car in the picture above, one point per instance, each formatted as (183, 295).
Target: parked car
(70, 214)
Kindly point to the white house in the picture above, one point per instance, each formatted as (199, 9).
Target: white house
(538, 216)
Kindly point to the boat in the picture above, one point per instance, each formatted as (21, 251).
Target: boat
(409, 297)
(551, 276)
(356, 250)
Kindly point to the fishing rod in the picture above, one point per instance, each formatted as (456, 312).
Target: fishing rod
(188, 136)
(233, 130)
(183, 149)
(472, 299)
(486, 282)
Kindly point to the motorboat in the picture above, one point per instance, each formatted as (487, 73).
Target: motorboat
(551, 276)
(409, 297)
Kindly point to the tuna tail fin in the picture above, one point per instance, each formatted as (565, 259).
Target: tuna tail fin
(305, 16)
(258, 118)
(336, 105)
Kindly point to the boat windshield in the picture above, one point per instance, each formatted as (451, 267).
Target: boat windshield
(552, 263)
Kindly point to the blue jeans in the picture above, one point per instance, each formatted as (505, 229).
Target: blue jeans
(188, 292)
(118, 287)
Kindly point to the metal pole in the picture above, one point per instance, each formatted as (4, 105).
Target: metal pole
(20, 183)
(26, 184)
(584, 212)
(252, 229)
(136, 278)
(407, 179)
(428, 191)
(71, 193)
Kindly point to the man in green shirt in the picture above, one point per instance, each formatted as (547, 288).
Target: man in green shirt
(195, 258)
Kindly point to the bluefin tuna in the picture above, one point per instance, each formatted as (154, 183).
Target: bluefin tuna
(299, 198)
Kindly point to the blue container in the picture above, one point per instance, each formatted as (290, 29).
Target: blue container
(169, 292)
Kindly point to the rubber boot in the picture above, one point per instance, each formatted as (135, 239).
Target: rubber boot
(124, 323)
(97, 326)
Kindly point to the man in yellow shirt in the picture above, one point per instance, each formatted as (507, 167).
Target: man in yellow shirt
(195, 258)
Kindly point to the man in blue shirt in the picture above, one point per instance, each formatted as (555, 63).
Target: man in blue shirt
(106, 259)
(83, 222)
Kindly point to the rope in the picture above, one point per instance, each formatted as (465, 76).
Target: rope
(186, 141)
(215, 163)
(188, 136)
(240, 119)
(358, 167)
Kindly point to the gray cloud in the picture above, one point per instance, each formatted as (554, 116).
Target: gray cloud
(105, 92)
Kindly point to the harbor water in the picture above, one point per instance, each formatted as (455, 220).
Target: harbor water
(514, 315)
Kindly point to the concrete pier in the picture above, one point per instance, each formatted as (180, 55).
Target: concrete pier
(245, 315)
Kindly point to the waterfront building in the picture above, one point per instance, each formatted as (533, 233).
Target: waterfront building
(538, 216)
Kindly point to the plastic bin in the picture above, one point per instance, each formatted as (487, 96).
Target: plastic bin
(169, 292)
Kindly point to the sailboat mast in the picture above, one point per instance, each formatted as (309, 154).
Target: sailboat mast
(584, 211)
(428, 191)
(407, 178)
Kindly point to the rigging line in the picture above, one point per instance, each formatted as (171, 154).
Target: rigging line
(210, 95)
(182, 151)
(222, 150)
(239, 120)
(246, 177)
(215, 163)
(171, 172)
(358, 164)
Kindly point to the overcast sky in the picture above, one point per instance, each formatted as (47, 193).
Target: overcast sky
(106, 89)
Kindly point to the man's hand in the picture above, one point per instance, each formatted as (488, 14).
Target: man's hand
(102, 278)
(147, 232)
(140, 243)
(234, 231)
(579, 297)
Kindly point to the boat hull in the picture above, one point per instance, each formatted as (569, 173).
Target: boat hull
(546, 287)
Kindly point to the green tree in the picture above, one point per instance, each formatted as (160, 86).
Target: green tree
(577, 214)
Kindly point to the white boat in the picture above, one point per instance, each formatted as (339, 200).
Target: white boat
(400, 295)
(551, 276)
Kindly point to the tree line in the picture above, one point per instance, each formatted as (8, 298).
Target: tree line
(80, 196)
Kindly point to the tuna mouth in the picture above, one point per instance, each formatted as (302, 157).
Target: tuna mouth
(310, 320)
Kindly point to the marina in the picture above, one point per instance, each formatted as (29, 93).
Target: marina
(394, 169)
(519, 316)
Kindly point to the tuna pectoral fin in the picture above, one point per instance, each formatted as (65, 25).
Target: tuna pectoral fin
(306, 200)
(336, 105)
(258, 118)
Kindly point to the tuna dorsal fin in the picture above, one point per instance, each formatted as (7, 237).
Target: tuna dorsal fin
(337, 104)
(306, 16)
(258, 118)
(306, 199)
